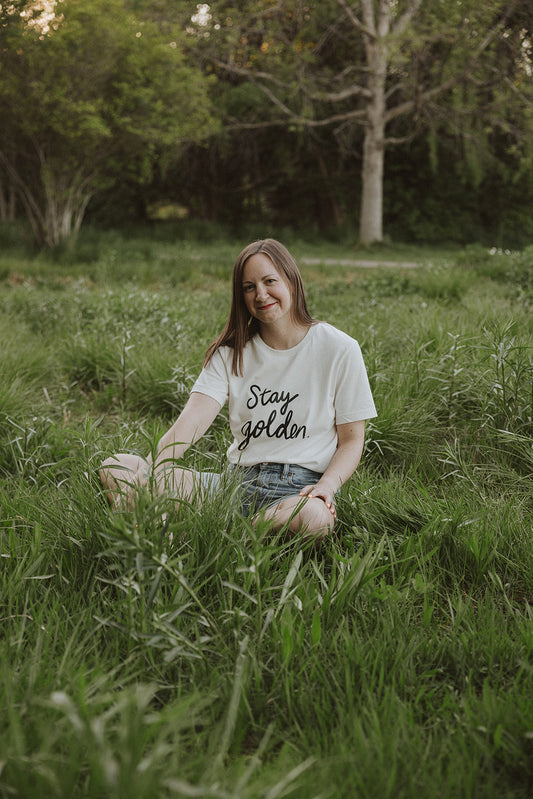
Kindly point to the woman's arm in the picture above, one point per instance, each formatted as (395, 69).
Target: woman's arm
(124, 474)
(351, 438)
(195, 419)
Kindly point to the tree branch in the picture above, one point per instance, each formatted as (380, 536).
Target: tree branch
(369, 18)
(356, 22)
(27, 199)
(401, 139)
(344, 94)
(430, 94)
(360, 114)
(256, 78)
(20, 185)
(403, 21)
(233, 69)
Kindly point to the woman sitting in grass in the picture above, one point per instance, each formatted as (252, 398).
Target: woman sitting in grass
(298, 397)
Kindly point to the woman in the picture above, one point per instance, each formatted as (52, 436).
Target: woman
(298, 398)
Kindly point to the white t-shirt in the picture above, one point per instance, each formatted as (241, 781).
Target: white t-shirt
(285, 407)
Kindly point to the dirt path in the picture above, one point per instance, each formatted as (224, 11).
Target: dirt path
(358, 263)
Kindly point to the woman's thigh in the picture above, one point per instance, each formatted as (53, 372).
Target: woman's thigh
(124, 473)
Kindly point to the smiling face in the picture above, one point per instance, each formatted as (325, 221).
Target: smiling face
(266, 293)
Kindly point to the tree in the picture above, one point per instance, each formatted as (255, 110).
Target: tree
(102, 95)
(386, 67)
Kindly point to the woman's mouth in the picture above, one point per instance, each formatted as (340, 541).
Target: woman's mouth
(266, 307)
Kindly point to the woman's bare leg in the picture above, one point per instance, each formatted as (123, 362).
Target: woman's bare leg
(306, 516)
(121, 475)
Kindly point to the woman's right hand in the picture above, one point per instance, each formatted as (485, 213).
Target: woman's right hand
(323, 491)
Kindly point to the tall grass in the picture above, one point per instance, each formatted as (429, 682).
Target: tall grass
(172, 652)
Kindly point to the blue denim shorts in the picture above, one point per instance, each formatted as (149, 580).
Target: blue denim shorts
(261, 485)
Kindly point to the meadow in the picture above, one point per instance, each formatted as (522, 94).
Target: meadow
(168, 652)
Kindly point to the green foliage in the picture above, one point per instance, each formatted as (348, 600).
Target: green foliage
(82, 116)
(167, 111)
(168, 652)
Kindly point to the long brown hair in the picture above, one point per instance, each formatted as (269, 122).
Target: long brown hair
(241, 325)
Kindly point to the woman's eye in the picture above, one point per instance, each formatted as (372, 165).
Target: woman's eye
(247, 288)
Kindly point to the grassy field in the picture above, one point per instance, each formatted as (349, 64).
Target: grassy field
(195, 656)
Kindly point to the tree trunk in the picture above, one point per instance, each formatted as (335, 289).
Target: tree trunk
(371, 217)
(54, 204)
(7, 202)
(3, 204)
(12, 204)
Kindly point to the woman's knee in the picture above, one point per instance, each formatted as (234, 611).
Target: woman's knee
(307, 516)
(106, 471)
(123, 467)
(314, 519)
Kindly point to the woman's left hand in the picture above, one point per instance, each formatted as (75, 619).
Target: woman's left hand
(324, 492)
(341, 467)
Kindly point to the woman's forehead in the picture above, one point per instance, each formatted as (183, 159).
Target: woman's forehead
(259, 266)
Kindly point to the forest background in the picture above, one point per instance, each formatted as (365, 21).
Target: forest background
(407, 120)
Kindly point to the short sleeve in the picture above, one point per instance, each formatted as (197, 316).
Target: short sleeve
(353, 396)
(213, 379)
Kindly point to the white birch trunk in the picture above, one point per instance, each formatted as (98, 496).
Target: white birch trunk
(54, 204)
(371, 216)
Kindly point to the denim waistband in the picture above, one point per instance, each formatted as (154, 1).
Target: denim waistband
(281, 469)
